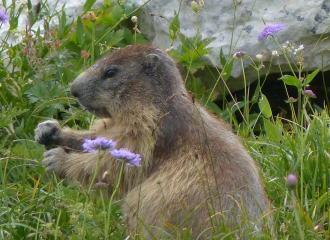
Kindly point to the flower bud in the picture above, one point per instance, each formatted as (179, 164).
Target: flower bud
(275, 53)
(239, 54)
(134, 19)
(201, 3)
(291, 181)
(99, 185)
(290, 100)
(62, 205)
(85, 54)
(194, 6)
(91, 16)
(57, 43)
(259, 56)
(309, 93)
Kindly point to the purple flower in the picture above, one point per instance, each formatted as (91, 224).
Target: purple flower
(100, 143)
(309, 93)
(239, 54)
(270, 29)
(3, 17)
(291, 181)
(123, 154)
(290, 100)
(62, 205)
(98, 185)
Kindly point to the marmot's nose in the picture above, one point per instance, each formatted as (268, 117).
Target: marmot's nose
(74, 90)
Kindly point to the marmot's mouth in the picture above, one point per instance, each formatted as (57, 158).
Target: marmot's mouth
(103, 113)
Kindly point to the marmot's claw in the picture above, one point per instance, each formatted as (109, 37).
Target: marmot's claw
(47, 132)
(53, 159)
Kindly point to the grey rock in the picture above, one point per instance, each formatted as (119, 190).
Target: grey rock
(248, 28)
(326, 6)
(305, 22)
(300, 18)
(72, 9)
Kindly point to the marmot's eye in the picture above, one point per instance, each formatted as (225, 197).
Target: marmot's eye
(110, 73)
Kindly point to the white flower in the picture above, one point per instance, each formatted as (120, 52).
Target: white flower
(275, 53)
(134, 19)
(169, 49)
(259, 56)
(300, 48)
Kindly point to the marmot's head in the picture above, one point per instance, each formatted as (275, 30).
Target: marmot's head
(130, 79)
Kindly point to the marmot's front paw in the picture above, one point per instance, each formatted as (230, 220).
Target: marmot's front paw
(53, 160)
(47, 132)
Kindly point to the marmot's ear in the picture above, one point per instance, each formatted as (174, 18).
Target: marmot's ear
(150, 63)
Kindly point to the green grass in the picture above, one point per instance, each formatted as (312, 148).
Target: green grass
(35, 87)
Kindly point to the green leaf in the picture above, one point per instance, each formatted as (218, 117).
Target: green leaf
(80, 32)
(206, 41)
(117, 13)
(291, 80)
(13, 18)
(226, 72)
(44, 91)
(3, 73)
(196, 86)
(87, 6)
(194, 65)
(222, 58)
(311, 76)
(212, 106)
(129, 7)
(115, 37)
(174, 26)
(271, 130)
(264, 106)
(62, 21)
(6, 115)
(18, 61)
(107, 3)
(231, 109)
(185, 43)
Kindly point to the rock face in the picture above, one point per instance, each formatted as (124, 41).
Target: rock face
(305, 22)
(72, 10)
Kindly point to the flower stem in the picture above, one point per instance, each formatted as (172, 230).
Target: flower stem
(113, 194)
(301, 234)
(299, 106)
(95, 172)
(246, 100)
(284, 56)
(57, 222)
(89, 190)
(106, 229)
(93, 42)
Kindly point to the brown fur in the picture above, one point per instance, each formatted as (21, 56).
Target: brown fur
(193, 166)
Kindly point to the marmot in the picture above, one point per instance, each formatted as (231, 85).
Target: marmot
(195, 172)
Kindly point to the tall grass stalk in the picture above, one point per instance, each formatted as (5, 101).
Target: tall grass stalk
(112, 196)
(296, 214)
(93, 43)
(89, 189)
